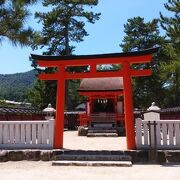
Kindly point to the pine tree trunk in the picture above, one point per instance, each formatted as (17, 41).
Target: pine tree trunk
(67, 50)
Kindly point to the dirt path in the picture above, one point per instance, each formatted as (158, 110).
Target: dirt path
(38, 170)
(73, 141)
(28, 170)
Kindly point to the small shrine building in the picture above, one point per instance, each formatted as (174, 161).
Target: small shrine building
(104, 101)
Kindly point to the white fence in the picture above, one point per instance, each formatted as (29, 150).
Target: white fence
(159, 134)
(26, 134)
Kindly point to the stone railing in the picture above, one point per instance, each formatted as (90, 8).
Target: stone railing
(26, 134)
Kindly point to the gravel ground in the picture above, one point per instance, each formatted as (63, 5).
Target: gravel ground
(29, 170)
(73, 141)
(38, 170)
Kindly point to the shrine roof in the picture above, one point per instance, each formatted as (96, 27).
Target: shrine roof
(95, 56)
(170, 110)
(4, 110)
(101, 84)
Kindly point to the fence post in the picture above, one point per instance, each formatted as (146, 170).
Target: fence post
(51, 132)
(152, 134)
(152, 115)
(138, 132)
(1, 133)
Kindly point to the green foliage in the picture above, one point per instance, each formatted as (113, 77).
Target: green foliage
(171, 69)
(141, 35)
(163, 86)
(15, 86)
(13, 15)
(74, 96)
(35, 94)
(62, 26)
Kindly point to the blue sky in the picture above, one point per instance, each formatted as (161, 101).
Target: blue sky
(104, 36)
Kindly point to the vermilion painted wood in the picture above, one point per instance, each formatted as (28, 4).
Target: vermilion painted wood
(128, 107)
(90, 61)
(133, 73)
(60, 99)
(91, 104)
(93, 68)
(109, 94)
(115, 106)
(126, 72)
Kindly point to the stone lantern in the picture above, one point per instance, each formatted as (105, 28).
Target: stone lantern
(153, 113)
(153, 107)
(49, 112)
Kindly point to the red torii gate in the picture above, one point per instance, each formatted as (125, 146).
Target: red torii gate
(125, 59)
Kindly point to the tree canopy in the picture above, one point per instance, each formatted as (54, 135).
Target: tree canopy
(170, 70)
(141, 35)
(63, 26)
(13, 16)
(163, 86)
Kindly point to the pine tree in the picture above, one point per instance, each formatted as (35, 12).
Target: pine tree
(171, 69)
(13, 15)
(140, 35)
(35, 95)
(64, 26)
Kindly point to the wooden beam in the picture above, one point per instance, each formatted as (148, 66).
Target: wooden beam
(49, 63)
(93, 68)
(55, 76)
(102, 94)
(93, 75)
(98, 61)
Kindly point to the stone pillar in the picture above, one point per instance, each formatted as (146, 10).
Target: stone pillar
(153, 113)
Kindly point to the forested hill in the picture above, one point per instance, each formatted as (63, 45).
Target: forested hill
(15, 86)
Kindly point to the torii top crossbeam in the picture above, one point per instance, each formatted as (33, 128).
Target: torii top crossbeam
(125, 59)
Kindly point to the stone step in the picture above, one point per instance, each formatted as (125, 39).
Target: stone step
(89, 152)
(102, 125)
(93, 163)
(102, 135)
(92, 157)
(102, 131)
